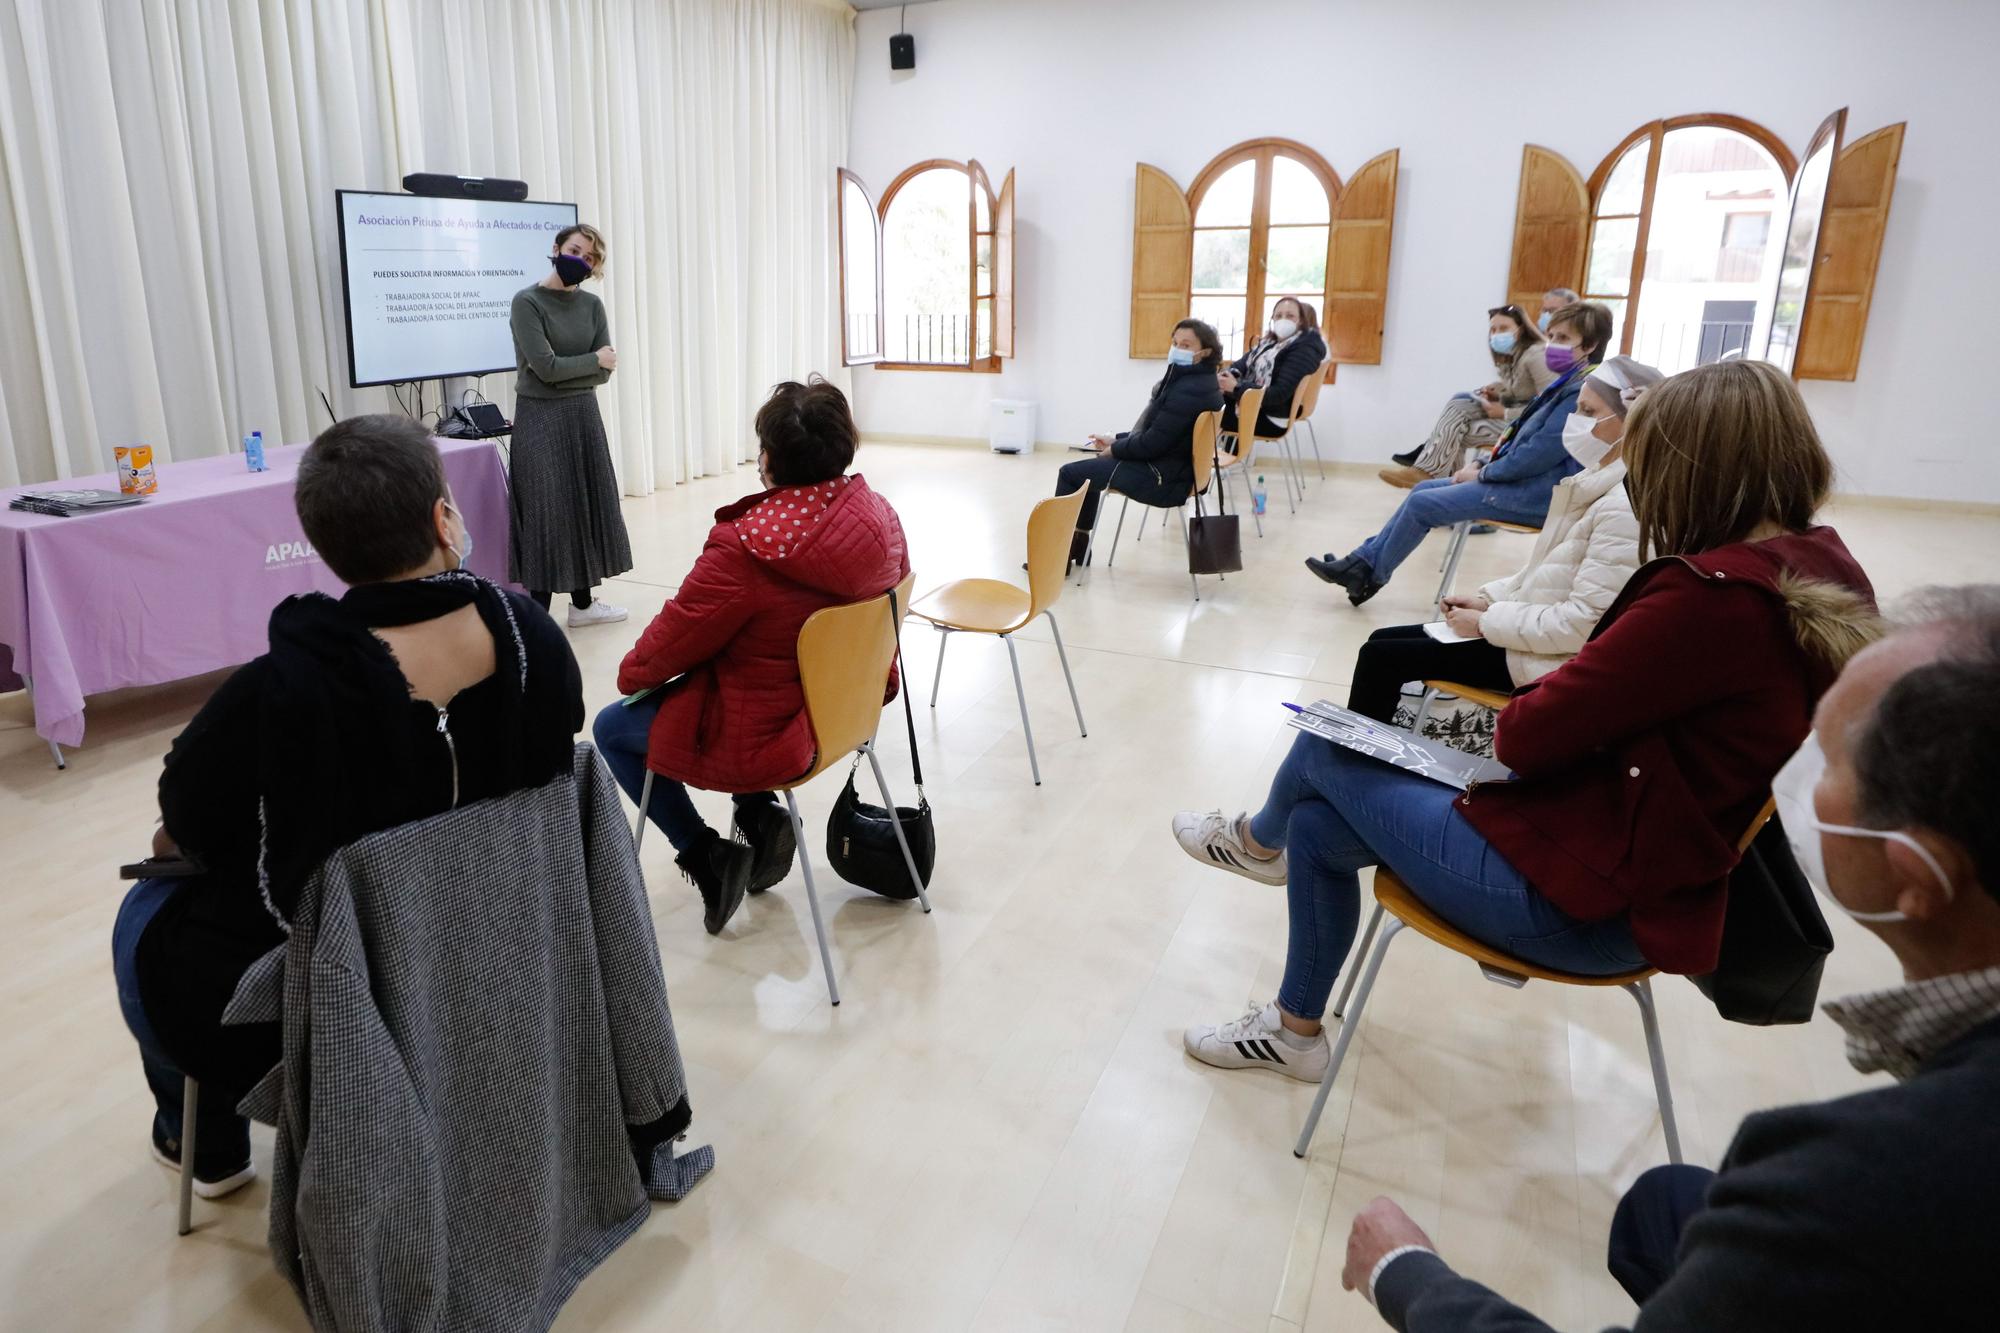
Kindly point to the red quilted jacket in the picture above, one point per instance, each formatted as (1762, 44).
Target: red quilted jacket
(734, 717)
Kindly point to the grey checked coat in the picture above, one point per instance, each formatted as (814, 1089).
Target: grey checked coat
(473, 1013)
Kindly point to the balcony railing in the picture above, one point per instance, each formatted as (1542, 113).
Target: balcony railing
(1674, 347)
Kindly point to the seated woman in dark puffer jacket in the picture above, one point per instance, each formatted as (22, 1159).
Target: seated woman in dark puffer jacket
(1154, 461)
(1290, 350)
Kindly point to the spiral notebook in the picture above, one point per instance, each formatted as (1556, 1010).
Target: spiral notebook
(1392, 745)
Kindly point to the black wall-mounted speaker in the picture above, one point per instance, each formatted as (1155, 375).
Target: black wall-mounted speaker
(464, 187)
(902, 51)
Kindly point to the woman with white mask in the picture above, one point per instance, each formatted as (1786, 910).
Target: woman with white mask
(1290, 350)
(1522, 627)
(1478, 417)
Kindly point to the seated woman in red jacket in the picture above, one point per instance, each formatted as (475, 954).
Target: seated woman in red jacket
(1639, 762)
(732, 715)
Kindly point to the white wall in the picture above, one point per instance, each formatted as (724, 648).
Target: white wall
(1071, 95)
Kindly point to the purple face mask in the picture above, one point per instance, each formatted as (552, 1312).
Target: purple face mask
(1561, 359)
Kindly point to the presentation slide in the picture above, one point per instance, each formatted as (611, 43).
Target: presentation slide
(429, 281)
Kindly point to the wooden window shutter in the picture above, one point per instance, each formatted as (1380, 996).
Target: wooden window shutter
(1551, 229)
(861, 325)
(1162, 256)
(1003, 270)
(1850, 245)
(1357, 278)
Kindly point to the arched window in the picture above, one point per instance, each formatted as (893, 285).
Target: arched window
(1708, 241)
(1263, 215)
(1686, 239)
(927, 277)
(1265, 220)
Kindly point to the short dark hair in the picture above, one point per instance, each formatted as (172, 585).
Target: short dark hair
(366, 493)
(807, 432)
(1592, 322)
(1929, 756)
(1204, 333)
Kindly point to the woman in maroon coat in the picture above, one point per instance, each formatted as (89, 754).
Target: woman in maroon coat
(726, 710)
(1638, 764)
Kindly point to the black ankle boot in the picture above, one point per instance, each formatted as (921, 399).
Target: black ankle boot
(720, 869)
(766, 829)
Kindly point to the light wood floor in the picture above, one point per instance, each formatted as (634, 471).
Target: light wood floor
(997, 1130)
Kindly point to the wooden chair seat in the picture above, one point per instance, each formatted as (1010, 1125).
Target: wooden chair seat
(977, 606)
(1406, 907)
(1504, 525)
(1494, 699)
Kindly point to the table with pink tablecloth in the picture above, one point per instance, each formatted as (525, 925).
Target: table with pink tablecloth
(184, 582)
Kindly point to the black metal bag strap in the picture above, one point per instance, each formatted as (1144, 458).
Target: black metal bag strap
(903, 688)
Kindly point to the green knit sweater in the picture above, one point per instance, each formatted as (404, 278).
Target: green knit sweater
(556, 337)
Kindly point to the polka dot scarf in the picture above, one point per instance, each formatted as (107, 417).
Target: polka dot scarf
(785, 518)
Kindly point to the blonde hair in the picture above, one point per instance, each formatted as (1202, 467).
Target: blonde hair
(1714, 453)
(591, 234)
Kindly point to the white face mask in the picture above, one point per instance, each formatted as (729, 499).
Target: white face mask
(1282, 329)
(1583, 446)
(1793, 790)
(1179, 356)
(463, 527)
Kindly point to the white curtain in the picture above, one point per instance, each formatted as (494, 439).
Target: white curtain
(169, 254)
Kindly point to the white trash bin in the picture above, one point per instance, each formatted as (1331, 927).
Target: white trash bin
(1010, 426)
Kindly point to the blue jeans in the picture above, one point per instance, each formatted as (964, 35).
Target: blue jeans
(622, 734)
(222, 1140)
(1439, 503)
(1334, 811)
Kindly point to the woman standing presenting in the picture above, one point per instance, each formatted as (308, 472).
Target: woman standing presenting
(568, 532)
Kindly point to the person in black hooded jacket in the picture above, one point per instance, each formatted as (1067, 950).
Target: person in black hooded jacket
(1154, 461)
(1290, 350)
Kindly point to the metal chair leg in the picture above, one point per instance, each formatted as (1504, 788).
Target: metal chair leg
(1112, 559)
(889, 804)
(1321, 462)
(1459, 533)
(1347, 1028)
(645, 802)
(1642, 991)
(944, 637)
(190, 1102)
(1063, 654)
(812, 897)
(1354, 973)
(1181, 514)
(1144, 514)
(1423, 716)
(1014, 658)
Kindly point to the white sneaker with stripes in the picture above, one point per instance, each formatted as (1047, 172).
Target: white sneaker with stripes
(1213, 840)
(1258, 1041)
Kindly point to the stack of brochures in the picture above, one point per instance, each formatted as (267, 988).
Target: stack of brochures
(68, 504)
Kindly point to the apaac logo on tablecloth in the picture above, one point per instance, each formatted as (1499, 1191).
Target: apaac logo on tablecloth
(289, 555)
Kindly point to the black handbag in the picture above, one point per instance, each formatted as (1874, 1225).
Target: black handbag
(1774, 940)
(860, 841)
(1214, 545)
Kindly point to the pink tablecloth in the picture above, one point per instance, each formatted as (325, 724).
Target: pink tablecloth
(183, 583)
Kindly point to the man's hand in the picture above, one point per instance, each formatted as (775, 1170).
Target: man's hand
(1378, 1229)
(1470, 472)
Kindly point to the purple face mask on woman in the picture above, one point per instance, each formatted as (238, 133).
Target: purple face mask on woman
(1561, 359)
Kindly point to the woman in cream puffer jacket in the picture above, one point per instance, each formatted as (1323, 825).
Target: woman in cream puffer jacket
(1526, 625)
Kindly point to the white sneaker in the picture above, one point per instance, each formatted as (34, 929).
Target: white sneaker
(1212, 840)
(1258, 1041)
(598, 613)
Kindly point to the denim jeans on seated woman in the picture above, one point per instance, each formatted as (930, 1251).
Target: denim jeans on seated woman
(222, 1138)
(622, 734)
(1334, 812)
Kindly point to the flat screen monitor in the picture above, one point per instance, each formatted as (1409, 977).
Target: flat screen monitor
(429, 282)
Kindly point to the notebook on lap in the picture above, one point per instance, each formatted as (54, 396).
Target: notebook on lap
(1392, 745)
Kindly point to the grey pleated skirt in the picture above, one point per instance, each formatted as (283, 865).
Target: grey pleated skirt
(569, 534)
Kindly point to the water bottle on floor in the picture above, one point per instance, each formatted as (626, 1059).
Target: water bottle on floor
(1258, 497)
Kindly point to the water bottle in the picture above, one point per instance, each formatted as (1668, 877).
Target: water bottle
(1258, 497)
(253, 451)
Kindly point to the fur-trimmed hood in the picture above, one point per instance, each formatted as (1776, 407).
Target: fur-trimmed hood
(1824, 589)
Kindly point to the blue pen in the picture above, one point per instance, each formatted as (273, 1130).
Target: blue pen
(1295, 708)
